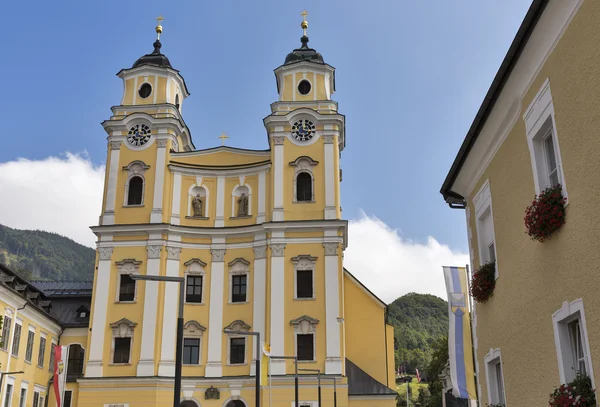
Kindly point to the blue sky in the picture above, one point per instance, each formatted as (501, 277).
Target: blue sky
(410, 78)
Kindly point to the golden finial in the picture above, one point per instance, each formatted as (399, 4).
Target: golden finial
(223, 137)
(159, 20)
(304, 23)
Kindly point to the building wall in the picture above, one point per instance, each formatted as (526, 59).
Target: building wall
(534, 279)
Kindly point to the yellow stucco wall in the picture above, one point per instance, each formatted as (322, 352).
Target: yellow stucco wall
(536, 278)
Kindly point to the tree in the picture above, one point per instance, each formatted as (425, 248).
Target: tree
(423, 397)
(435, 369)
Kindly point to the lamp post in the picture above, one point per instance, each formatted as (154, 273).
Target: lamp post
(257, 361)
(318, 372)
(5, 373)
(179, 348)
(295, 358)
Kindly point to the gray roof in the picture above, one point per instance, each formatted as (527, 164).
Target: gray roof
(360, 383)
(69, 299)
(65, 288)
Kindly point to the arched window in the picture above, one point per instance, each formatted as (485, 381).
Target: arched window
(76, 357)
(304, 187)
(177, 101)
(135, 191)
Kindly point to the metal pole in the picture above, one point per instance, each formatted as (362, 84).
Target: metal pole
(472, 333)
(295, 382)
(334, 392)
(319, 383)
(407, 403)
(179, 349)
(258, 357)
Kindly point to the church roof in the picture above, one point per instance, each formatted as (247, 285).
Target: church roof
(304, 54)
(155, 58)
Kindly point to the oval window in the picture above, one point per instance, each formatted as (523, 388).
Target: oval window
(304, 87)
(145, 90)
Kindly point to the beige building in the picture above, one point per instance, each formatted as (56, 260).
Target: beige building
(538, 126)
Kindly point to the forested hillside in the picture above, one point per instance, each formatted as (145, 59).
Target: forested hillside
(419, 320)
(38, 255)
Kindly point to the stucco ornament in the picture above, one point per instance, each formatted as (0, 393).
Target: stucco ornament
(153, 251)
(331, 249)
(218, 254)
(173, 252)
(278, 249)
(260, 252)
(105, 253)
(304, 262)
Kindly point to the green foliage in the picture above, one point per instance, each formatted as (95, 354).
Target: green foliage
(435, 369)
(423, 397)
(39, 255)
(418, 320)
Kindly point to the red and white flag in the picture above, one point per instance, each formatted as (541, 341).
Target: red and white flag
(61, 356)
(418, 376)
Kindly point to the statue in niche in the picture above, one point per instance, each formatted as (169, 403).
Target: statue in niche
(243, 205)
(197, 205)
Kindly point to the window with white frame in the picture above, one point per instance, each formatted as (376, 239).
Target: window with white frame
(6, 324)
(192, 343)
(36, 399)
(194, 281)
(29, 348)
(304, 277)
(305, 335)
(127, 287)
(570, 337)
(52, 357)
(23, 397)
(238, 280)
(485, 225)
(17, 338)
(495, 377)
(135, 184)
(542, 140)
(122, 332)
(304, 180)
(236, 344)
(42, 351)
(8, 393)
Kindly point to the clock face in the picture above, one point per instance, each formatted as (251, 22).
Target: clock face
(303, 130)
(139, 135)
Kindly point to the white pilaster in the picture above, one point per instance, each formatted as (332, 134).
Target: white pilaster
(277, 306)
(333, 360)
(260, 297)
(220, 215)
(145, 366)
(176, 199)
(94, 364)
(330, 176)
(111, 189)
(278, 178)
(159, 181)
(262, 193)
(166, 367)
(214, 367)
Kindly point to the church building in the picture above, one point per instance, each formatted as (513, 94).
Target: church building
(258, 236)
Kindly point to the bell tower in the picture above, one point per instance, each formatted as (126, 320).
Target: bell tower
(307, 135)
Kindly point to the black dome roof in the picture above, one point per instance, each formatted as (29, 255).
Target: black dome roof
(304, 53)
(155, 58)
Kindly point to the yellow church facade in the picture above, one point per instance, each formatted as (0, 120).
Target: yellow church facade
(258, 236)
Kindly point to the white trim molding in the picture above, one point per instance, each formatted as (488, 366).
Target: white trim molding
(484, 225)
(166, 366)
(214, 366)
(303, 164)
(304, 262)
(239, 267)
(495, 394)
(195, 268)
(333, 360)
(540, 125)
(561, 319)
(305, 325)
(145, 365)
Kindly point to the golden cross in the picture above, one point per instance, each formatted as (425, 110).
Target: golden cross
(159, 20)
(304, 23)
(223, 137)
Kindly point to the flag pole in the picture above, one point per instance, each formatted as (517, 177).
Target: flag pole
(472, 333)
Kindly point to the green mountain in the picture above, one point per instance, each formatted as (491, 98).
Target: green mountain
(419, 320)
(39, 255)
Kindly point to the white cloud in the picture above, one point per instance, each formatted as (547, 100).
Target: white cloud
(64, 195)
(391, 266)
(56, 194)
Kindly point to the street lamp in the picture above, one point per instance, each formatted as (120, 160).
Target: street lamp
(295, 358)
(257, 360)
(5, 373)
(179, 348)
(318, 372)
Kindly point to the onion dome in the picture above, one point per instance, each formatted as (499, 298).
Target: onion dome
(304, 53)
(155, 58)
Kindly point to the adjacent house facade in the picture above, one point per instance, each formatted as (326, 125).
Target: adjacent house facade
(537, 128)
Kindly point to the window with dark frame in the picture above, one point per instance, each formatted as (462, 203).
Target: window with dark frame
(238, 288)
(193, 289)
(126, 288)
(122, 350)
(42, 352)
(304, 187)
(8, 396)
(29, 349)
(16, 340)
(76, 358)
(191, 351)
(23, 397)
(305, 346)
(6, 332)
(36, 399)
(67, 400)
(237, 351)
(135, 190)
(304, 284)
(52, 356)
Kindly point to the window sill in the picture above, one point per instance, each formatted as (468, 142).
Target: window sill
(28, 362)
(195, 303)
(15, 356)
(238, 302)
(192, 365)
(240, 217)
(305, 299)
(197, 217)
(4, 350)
(304, 202)
(125, 302)
(119, 364)
(236, 364)
(307, 361)
(40, 367)
(133, 206)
